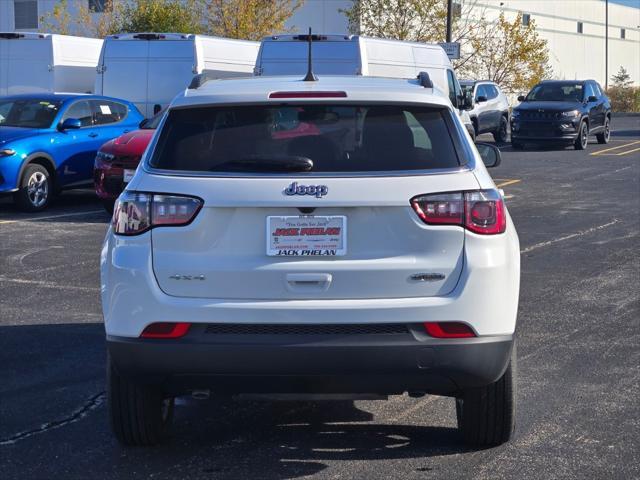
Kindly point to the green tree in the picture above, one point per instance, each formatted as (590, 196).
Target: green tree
(624, 97)
(179, 16)
(622, 79)
(249, 19)
(510, 54)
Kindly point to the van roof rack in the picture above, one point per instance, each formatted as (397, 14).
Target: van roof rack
(424, 80)
(200, 79)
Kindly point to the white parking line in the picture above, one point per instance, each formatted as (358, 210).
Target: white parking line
(35, 219)
(568, 237)
(44, 284)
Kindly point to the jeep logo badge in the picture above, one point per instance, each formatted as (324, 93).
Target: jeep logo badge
(318, 191)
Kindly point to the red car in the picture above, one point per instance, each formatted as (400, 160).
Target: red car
(117, 160)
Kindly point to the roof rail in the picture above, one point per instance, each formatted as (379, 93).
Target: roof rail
(200, 79)
(425, 80)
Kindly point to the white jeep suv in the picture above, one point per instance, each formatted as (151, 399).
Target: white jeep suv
(332, 237)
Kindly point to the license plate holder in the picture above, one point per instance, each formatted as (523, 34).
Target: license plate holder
(307, 236)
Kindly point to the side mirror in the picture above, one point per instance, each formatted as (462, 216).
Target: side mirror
(592, 98)
(521, 98)
(481, 99)
(70, 124)
(465, 102)
(490, 154)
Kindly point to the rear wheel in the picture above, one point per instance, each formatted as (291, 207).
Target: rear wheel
(500, 135)
(583, 137)
(35, 189)
(605, 136)
(487, 415)
(139, 414)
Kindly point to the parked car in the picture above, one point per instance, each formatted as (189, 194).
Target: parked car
(366, 56)
(45, 62)
(368, 253)
(48, 142)
(149, 69)
(490, 112)
(562, 112)
(117, 160)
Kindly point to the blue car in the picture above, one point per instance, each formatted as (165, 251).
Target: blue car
(48, 142)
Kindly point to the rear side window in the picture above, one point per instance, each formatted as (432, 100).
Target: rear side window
(80, 110)
(107, 112)
(336, 138)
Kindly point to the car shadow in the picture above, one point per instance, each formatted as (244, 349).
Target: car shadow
(221, 437)
(73, 206)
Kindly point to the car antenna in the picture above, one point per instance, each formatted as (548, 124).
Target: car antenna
(310, 77)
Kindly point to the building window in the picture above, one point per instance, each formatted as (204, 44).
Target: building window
(97, 6)
(579, 27)
(526, 19)
(623, 33)
(25, 14)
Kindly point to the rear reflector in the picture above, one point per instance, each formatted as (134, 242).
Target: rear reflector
(448, 330)
(165, 330)
(136, 212)
(308, 95)
(480, 211)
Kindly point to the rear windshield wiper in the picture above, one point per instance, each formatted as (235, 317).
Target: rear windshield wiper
(268, 163)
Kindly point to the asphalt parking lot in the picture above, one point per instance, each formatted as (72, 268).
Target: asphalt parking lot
(578, 217)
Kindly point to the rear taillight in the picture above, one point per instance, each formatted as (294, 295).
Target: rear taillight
(480, 211)
(135, 212)
(448, 330)
(165, 330)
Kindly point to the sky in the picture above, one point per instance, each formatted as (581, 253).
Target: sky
(628, 3)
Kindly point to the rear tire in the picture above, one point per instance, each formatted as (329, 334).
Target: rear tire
(500, 135)
(487, 415)
(583, 137)
(140, 415)
(35, 189)
(605, 136)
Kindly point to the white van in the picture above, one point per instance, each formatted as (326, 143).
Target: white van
(149, 69)
(357, 55)
(44, 62)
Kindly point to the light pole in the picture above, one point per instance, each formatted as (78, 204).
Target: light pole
(606, 44)
(449, 17)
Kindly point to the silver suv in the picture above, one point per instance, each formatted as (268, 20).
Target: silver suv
(490, 113)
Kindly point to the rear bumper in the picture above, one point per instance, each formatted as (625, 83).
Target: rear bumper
(378, 364)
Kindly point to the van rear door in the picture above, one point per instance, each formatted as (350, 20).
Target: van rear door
(171, 64)
(125, 69)
(26, 63)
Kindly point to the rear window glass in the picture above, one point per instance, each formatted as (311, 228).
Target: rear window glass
(336, 138)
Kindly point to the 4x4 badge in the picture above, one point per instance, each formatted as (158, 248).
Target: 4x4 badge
(318, 191)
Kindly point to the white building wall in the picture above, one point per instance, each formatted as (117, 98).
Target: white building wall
(576, 55)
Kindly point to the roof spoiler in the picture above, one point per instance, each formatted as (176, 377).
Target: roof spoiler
(424, 80)
(200, 79)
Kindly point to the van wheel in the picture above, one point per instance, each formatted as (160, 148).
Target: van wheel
(487, 415)
(35, 189)
(140, 415)
(583, 137)
(500, 135)
(605, 136)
